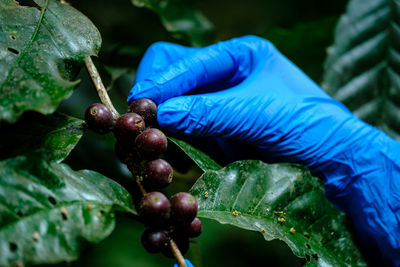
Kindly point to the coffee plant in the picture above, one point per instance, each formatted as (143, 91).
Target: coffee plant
(52, 207)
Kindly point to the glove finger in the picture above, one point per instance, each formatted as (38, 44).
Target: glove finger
(158, 56)
(186, 115)
(228, 62)
(199, 115)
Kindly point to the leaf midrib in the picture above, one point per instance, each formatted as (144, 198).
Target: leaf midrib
(22, 54)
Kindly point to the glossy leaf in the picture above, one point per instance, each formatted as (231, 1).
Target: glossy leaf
(363, 65)
(41, 49)
(48, 211)
(181, 18)
(200, 158)
(50, 137)
(281, 201)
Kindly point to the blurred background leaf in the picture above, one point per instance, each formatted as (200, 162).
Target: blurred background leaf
(363, 66)
(182, 19)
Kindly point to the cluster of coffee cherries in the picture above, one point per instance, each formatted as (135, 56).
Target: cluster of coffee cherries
(140, 148)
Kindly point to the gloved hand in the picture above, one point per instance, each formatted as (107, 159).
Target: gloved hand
(188, 263)
(245, 91)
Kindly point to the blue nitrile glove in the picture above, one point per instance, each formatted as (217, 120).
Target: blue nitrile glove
(245, 91)
(188, 263)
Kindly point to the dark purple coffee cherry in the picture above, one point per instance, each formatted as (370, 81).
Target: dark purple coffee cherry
(128, 127)
(151, 143)
(157, 174)
(155, 240)
(195, 228)
(145, 108)
(99, 118)
(182, 243)
(155, 209)
(184, 208)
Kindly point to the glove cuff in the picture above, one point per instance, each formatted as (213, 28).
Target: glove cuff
(364, 182)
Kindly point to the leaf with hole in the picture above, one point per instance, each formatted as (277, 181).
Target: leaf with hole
(280, 201)
(48, 212)
(181, 18)
(363, 65)
(42, 46)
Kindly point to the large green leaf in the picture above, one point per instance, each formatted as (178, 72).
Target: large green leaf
(363, 65)
(199, 157)
(41, 49)
(48, 211)
(182, 19)
(281, 201)
(50, 137)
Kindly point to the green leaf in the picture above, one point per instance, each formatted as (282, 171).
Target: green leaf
(41, 50)
(281, 201)
(200, 158)
(50, 137)
(363, 65)
(48, 212)
(181, 18)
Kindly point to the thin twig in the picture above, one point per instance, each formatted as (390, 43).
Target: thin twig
(98, 84)
(140, 186)
(177, 253)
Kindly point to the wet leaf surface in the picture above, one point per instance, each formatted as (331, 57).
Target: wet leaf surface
(42, 46)
(280, 201)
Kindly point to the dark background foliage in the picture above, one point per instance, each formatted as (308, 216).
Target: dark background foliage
(302, 30)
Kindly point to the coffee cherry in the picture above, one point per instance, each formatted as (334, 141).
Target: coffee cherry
(128, 127)
(155, 209)
(154, 240)
(184, 208)
(145, 108)
(151, 143)
(181, 242)
(195, 228)
(157, 174)
(99, 118)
